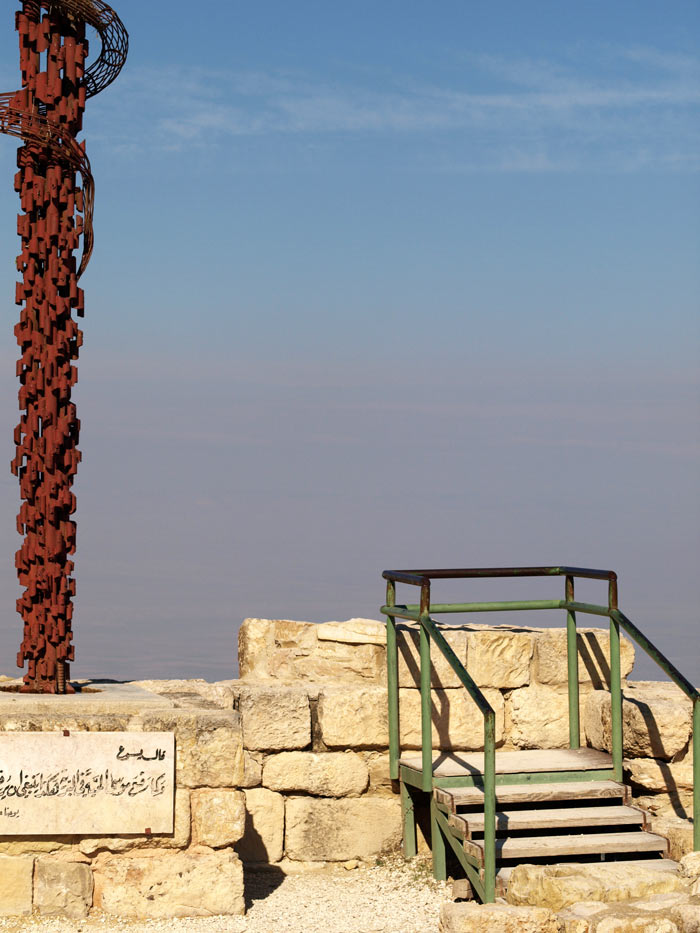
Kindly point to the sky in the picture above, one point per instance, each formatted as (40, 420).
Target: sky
(378, 285)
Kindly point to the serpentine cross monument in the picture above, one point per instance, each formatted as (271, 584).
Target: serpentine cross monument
(47, 114)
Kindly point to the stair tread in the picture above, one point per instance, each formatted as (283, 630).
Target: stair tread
(580, 844)
(559, 818)
(531, 761)
(453, 797)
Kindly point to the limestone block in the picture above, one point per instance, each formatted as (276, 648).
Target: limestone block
(668, 777)
(627, 923)
(660, 902)
(62, 887)
(254, 648)
(488, 918)
(330, 774)
(290, 652)
(218, 817)
(178, 839)
(338, 830)
(686, 917)
(263, 837)
(456, 719)
(196, 883)
(49, 721)
(678, 832)
(354, 717)
(656, 720)
(193, 693)
(353, 632)
(16, 886)
(560, 886)
(578, 917)
(539, 717)
(252, 769)
(442, 675)
(35, 845)
(500, 657)
(378, 768)
(550, 660)
(275, 718)
(339, 662)
(208, 744)
(690, 866)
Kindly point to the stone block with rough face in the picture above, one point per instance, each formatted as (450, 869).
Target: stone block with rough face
(656, 720)
(686, 917)
(254, 647)
(218, 816)
(274, 718)
(442, 674)
(263, 837)
(62, 887)
(286, 651)
(579, 918)
(550, 657)
(354, 717)
(331, 774)
(378, 767)
(36, 845)
(489, 918)
(679, 833)
(628, 923)
(499, 657)
(192, 693)
(560, 886)
(457, 722)
(196, 883)
(661, 777)
(16, 885)
(326, 830)
(252, 769)
(539, 717)
(208, 744)
(690, 866)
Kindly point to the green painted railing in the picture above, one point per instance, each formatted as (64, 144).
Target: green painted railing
(422, 612)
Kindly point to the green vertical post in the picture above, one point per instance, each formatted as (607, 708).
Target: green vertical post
(696, 775)
(572, 669)
(426, 726)
(490, 807)
(437, 844)
(615, 683)
(392, 683)
(408, 813)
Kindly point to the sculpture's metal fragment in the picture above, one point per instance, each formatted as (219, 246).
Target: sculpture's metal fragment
(46, 114)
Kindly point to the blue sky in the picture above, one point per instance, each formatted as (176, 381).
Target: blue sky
(378, 285)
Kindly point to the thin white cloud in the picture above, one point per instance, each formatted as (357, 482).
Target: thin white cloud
(525, 116)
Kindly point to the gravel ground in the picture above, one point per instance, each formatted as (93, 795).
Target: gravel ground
(391, 897)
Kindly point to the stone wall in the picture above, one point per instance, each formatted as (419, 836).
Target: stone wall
(288, 766)
(658, 753)
(313, 706)
(192, 871)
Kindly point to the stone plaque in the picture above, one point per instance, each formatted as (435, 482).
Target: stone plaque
(86, 783)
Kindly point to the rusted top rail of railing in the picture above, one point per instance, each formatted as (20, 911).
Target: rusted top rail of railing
(423, 577)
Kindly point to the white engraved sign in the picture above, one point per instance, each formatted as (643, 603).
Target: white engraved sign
(86, 783)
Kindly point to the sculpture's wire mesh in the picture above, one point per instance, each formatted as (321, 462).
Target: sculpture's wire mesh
(46, 114)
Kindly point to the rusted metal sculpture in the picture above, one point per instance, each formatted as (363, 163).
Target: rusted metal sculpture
(46, 114)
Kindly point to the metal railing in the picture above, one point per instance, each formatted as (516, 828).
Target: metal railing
(422, 612)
